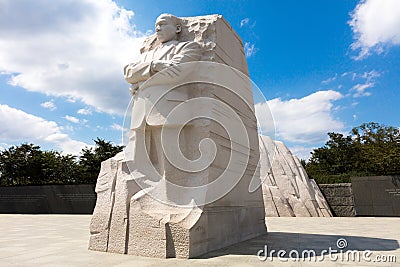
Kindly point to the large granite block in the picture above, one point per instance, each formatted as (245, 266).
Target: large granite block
(287, 190)
(150, 201)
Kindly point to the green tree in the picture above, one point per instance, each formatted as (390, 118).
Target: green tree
(59, 169)
(28, 165)
(91, 158)
(370, 149)
(380, 148)
(20, 165)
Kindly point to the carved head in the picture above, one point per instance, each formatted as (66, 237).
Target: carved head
(167, 27)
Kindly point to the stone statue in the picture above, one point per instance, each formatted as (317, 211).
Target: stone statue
(170, 52)
(192, 96)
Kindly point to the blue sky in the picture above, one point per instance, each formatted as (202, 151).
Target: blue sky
(322, 65)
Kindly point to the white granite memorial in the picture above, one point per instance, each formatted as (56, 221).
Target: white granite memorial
(287, 190)
(181, 187)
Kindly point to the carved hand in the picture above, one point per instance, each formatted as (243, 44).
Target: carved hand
(159, 65)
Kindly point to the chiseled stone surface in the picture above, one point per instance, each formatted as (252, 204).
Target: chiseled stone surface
(130, 219)
(340, 198)
(287, 190)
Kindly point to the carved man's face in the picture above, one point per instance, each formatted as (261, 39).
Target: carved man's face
(166, 30)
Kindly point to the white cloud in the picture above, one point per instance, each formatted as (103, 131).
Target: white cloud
(71, 119)
(71, 99)
(24, 127)
(375, 24)
(329, 80)
(360, 89)
(244, 22)
(49, 105)
(70, 48)
(117, 127)
(370, 75)
(304, 120)
(302, 152)
(4, 146)
(345, 74)
(249, 49)
(84, 111)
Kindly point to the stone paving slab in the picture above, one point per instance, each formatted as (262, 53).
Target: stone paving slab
(62, 240)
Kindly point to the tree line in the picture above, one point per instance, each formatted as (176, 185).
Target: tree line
(27, 164)
(371, 149)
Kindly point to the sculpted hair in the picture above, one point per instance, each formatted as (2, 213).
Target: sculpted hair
(175, 20)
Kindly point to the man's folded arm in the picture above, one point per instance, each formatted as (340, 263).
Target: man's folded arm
(135, 73)
(140, 72)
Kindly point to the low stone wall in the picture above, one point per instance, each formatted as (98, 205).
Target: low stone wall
(340, 198)
(58, 199)
(81, 199)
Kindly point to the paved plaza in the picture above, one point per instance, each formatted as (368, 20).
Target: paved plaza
(62, 240)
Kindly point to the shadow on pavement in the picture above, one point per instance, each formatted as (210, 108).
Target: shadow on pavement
(300, 242)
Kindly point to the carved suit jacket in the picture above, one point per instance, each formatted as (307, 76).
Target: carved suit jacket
(174, 53)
